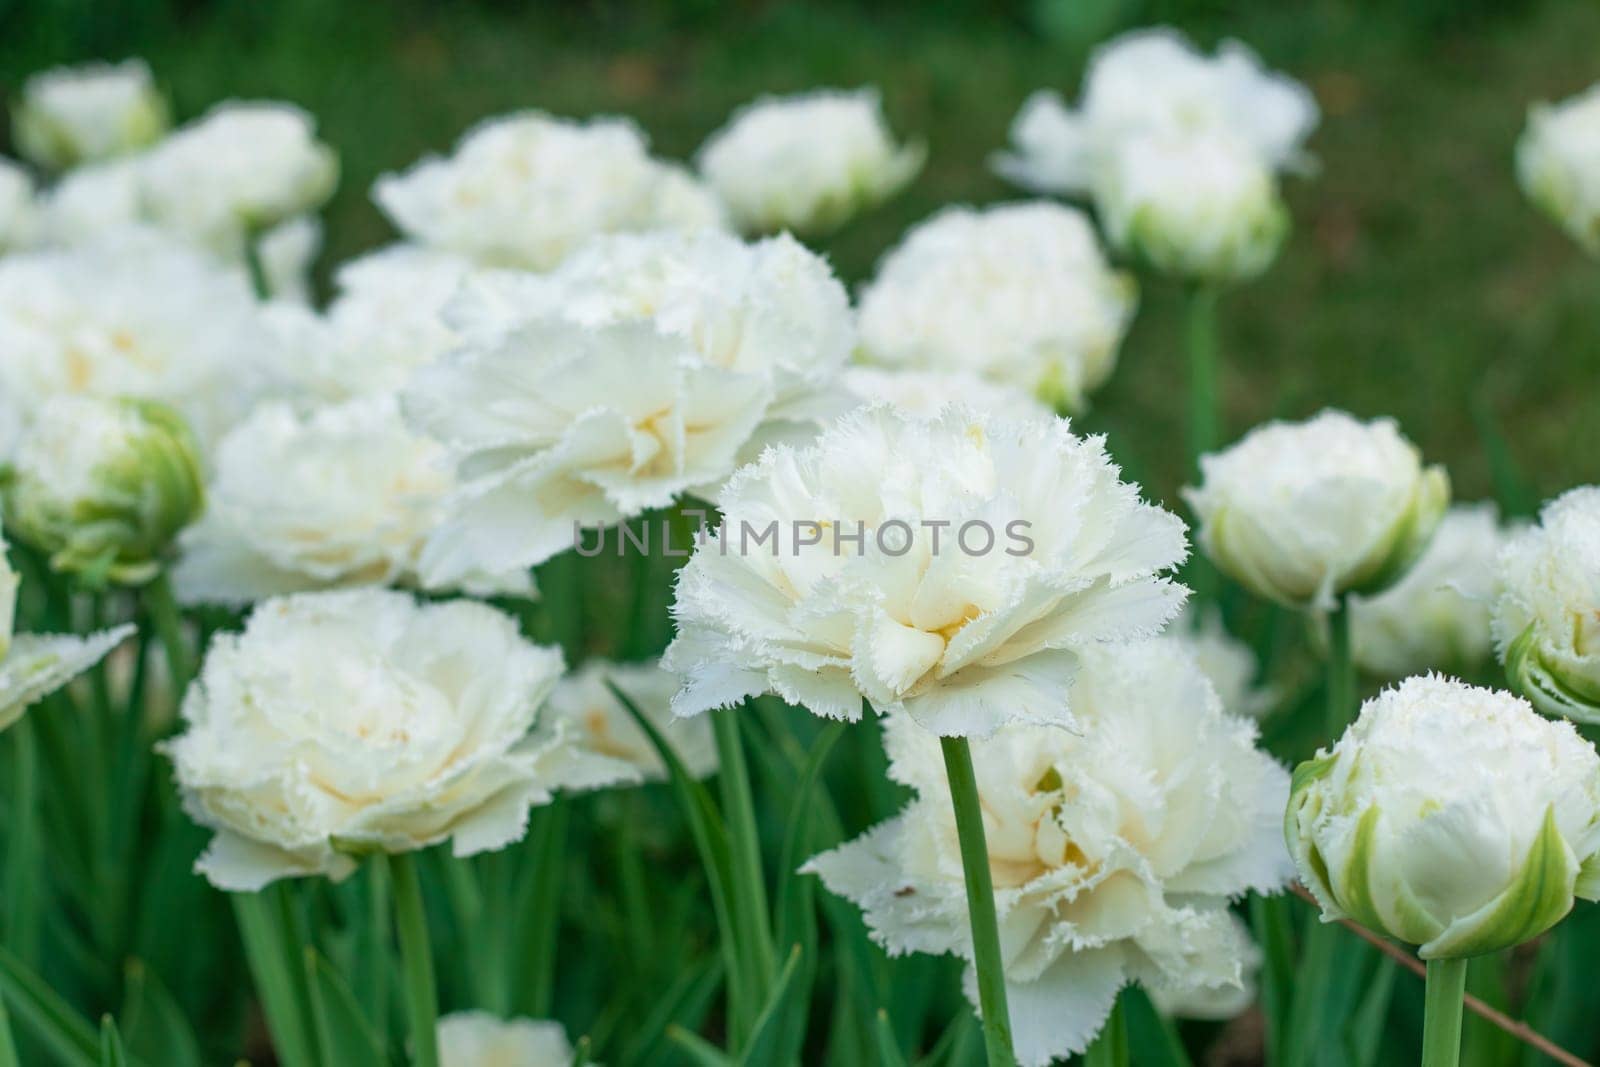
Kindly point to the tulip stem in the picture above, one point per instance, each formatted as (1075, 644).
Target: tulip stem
(1110, 1048)
(980, 902)
(748, 883)
(1441, 1022)
(1341, 671)
(416, 959)
(168, 623)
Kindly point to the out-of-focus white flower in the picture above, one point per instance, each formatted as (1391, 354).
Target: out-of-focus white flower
(644, 368)
(1154, 82)
(32, 666)
(526, 190)
(287, 252)
(478, 1039)
(926, 393)
(1449, 817)
(1216, 1003)
(90, 202)
(236, 172)
(75, 115)
(18, 213)
(1547, 609)
(601, 724)
(102, 486)
(1437, 616)
(1228, 662)
(339, 724)
(1302, 513)
(345, 496)
(1114, 847)
(807, 163)
(1201, 206)
(1558, 164)
(1019, 294)
(988, 556)
(134, 314)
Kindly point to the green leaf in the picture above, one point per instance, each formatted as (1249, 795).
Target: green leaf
(1152, 1039)
(47, 1016)
(888, 1048)
(762, 1047)
(8, 1046)
(343, 1033)
(698, 1049)
(1365, 1034)
(684, 1002)
(152, 1024)
(112, 1053)
(279, 982)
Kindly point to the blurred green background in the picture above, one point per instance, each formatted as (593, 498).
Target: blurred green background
(1418, 281)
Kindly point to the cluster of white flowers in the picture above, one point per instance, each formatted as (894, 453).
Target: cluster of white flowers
(1115, 847)
(1178, 151)
(644, 368)
(987, 556)
(1547, 607)
(1018, 294)
(807, 163)
(1558, 164)
(527, 190)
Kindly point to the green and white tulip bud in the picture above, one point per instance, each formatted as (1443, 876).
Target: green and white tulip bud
(1558, 165)
(1547, 608)
(75, 115)
(1201, 206)
(1449, 817)
(1302, 513)
(102, 486)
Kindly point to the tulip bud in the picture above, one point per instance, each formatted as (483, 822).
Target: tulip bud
(1203, 206)
(76, 115)
(103, 486)
(1546, 611)
(1558, 165)
(1449, 817)
(1302, 513)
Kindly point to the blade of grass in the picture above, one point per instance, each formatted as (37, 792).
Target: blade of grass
(47, 1015)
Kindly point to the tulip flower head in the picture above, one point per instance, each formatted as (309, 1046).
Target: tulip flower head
(1558, 165)
(75, 115)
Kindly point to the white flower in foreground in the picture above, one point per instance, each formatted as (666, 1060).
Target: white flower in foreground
(1115, 847)
(927, 393)
(340, 724)
(1302, 513)
(1201, 206)
(237, 171)
(1449, 817)
(17, 209)
(75, 115)
(102, 486)
(601, 724)
(807, 163)
(1154, 82)
(345, 496)
(1547, 611)
(1019, 294)
(134, 314)
(526, 190)
(643, 369)
(987, 556)
(478, 1039)
(1437, 616)
(32, 666)
(91, 201)
(1228, 663)
(1558, 164)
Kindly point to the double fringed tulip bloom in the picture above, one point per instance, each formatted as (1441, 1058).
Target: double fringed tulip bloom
(1449, 817)
(1303, 513)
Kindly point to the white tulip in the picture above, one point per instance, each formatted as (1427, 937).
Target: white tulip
(1019, 294)
(287, 253)
(807, 163)
(1436, 617)
(1154, 82)
(18, 212)
(602, 725)
(1114, 847)
(91, 201)
(1547, 610)
(103, 486)
(1558, 164)
(526, 190)
(70, 116)
(987, 556)
(1302, 513)
(1200, 206)
(926, 393)
(1449, 817)
(345, 496)
(340, 724)
(644, 368)
(478, 1039)
(235, 172)
(1228, 663)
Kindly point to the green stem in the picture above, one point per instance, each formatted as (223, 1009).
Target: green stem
(1341, 672)
(1204, 419)
(1110, 1049)
(256, 269)
(1441, 1023)
(980, 901)
(416, 959)
(744, 845)
(164, 615)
